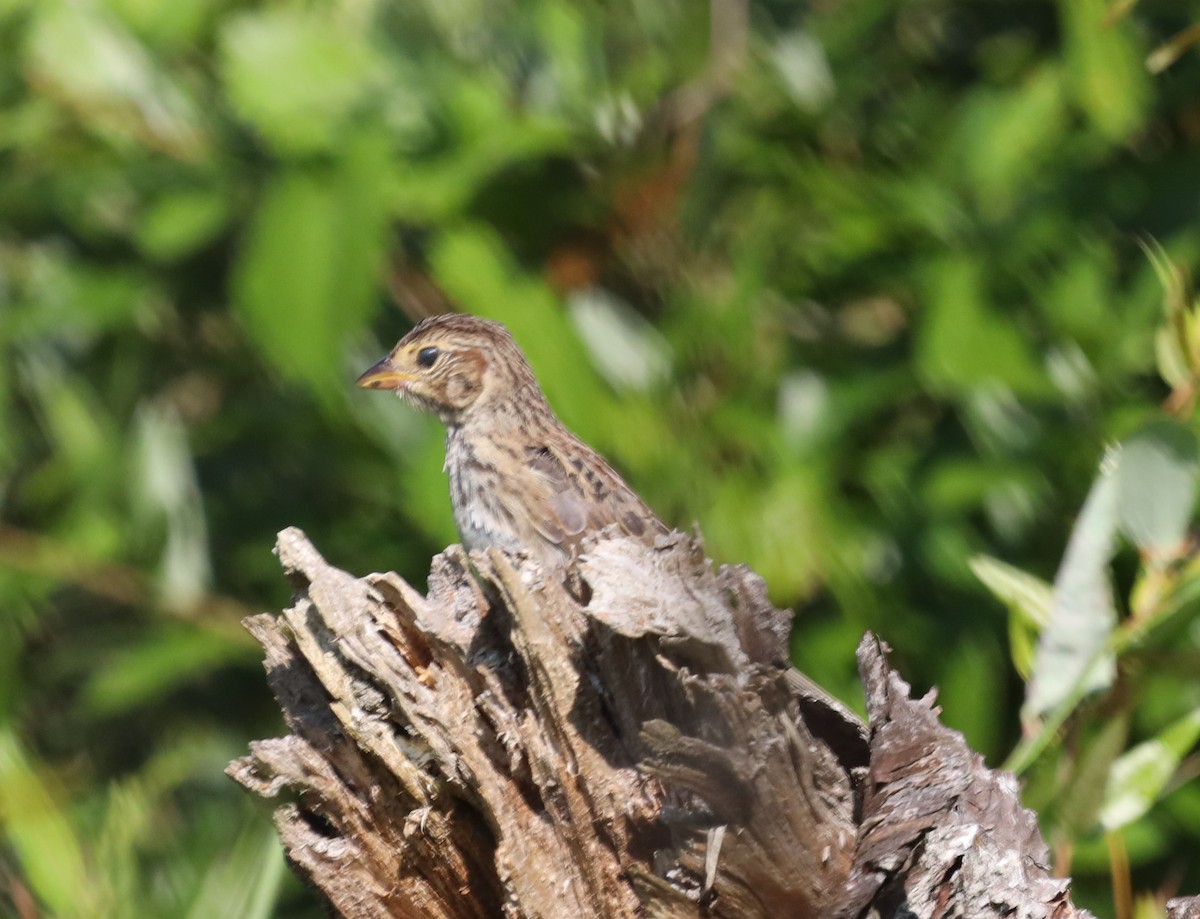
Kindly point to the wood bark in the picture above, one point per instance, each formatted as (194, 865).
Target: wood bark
(628, 744)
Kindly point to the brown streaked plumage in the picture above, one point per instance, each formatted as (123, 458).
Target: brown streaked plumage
(518, 478)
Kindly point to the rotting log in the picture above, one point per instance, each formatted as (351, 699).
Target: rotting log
(632, 744)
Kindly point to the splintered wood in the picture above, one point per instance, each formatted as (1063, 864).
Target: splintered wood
(629, 744)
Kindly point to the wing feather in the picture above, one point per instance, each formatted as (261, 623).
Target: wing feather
(582, 494)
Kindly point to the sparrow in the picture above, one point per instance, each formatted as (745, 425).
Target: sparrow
(519, 480)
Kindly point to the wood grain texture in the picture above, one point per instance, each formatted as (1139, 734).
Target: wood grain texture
(497, 748)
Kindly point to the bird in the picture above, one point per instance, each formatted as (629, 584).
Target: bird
(519, 479)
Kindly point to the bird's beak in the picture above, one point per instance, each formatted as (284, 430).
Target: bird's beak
(383, 376)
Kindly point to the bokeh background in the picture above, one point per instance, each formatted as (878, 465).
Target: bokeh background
(862, 289)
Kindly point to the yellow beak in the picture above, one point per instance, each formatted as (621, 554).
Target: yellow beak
(383, 376)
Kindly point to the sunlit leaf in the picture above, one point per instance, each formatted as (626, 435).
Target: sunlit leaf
(297, 75)
(1138, 778)
(1177, 346)
(166, 482)
(1169, 357)
(490, 141)
(1007, 133)
(804, 70)
(1073, 656)
(101, 71)
(1104, 63)
(1157, 486)
(1022, 644)
(1028, 596)
(1029, 600)
(40, 833)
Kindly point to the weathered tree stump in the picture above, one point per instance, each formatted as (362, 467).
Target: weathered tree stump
(502, 747)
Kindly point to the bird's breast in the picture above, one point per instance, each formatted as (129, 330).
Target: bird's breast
(477, 495)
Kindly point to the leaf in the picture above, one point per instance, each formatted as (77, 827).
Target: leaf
(1022, 643)
(1105, 66)
(972, 687)
(181, 222)
(1006, 134)
(1077, 805)
(1169, 358)
(89, 61)
(245, 880)
(1029, 600)
(1138, 778)
(39, 833)
(166, 484)
(307, 274)
(297, 76)
(489, 139)
(1027, 595)
(1072, 657)
(1175, 343)
(1157, 487)
(964, 343)
(157, 665)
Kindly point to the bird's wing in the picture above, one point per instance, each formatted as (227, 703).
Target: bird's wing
(582, 494)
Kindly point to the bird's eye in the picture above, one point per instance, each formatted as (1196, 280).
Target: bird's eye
(427, 356)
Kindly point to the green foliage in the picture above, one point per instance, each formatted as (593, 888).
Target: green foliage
(1080, 705)
(867, 296)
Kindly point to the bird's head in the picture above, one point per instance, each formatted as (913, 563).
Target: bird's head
(453, 365)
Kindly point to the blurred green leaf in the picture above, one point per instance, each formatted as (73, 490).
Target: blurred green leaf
(128, 819)
(180, 223)
(1157, 487)
(244, 881)
(298, 76)
(166, 483)
(1137, 779)
(1078, 803)
(1027, 596)
(1008, 133)
(1022, 644)
(285, 283)
(40, 833)
(963, 343)
(1172, 364)
(1105, 66)
(172, 25)
(92, 65)
(970, 683)
(1072, 655)
(159, 664)
(489, 141)
(1175, 342)
(1029, 600)
(308, 272)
